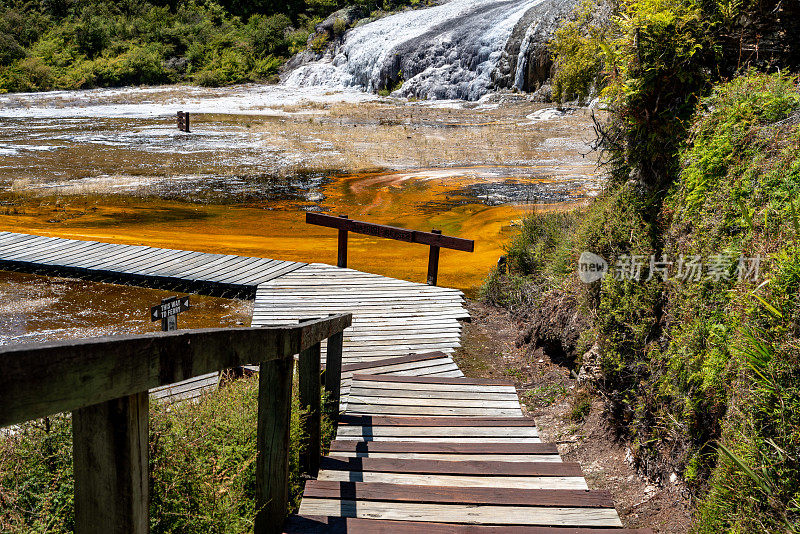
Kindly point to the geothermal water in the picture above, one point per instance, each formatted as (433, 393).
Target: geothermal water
(111, 165)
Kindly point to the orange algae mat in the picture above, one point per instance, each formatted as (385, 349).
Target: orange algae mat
(278, 230)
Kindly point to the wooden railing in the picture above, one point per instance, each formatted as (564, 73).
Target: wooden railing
(104, 382)
(433, 238)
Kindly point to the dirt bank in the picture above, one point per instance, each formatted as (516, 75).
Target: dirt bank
(571, 417)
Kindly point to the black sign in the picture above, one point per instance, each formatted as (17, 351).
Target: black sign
(169, 308)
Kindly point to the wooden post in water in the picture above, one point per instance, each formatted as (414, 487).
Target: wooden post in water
(342, 259)
(333, 372)
(110, 456)
(433, 262)
(272, 445)
(308, 370)
(183, 121)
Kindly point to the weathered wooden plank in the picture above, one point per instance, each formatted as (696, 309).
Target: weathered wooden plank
(494, 515)
(449, 448)
(412, 367)
(424, 380)
(439, 467)
(446, 457)
(399, 360)
(359, 382)
(341, 525)
(417, 394)
(354, 398)
(460, 431)
(396, 493)
(448, 374)
(308, 368)
(367, 420)
(365, 409)
(474, 480)
(333, 372)
(458, 439)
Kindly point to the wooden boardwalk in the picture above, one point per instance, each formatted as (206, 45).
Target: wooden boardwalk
(416, 452)
(419, 447)
(178, 270)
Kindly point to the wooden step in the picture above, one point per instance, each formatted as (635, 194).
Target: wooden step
(440, 467)
(430, 380)
(342, 525)
(410, 358)
(375, 420)
(473, 505)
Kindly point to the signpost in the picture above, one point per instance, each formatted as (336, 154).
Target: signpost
(168, 312)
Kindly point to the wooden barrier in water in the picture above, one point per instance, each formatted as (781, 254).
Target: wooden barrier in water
(104, 382)
(434, 238)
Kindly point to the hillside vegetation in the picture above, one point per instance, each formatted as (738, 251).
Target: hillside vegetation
(700, 372)
(79, 44)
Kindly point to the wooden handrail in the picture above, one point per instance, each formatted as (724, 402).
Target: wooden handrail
(40, 379)
(434, 238)
(104, 382)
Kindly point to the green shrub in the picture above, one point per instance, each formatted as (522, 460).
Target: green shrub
(31, 74)
(577, 49)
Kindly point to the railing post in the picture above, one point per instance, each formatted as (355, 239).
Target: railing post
(433, 262)
(342, 259)
(333, 372)
(311, 422)
(272, 444)
(110, 455)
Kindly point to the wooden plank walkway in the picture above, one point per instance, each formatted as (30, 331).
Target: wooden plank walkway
(391, 318)
(178, 270)
(419, 447)
(445, 454)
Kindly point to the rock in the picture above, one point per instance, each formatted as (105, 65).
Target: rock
(340, 21)
(543, 94)
(590, 370)
(526, 63)
(177, 64)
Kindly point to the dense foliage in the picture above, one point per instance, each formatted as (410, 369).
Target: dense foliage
(78, 44)
(202, 467)
(703, 153)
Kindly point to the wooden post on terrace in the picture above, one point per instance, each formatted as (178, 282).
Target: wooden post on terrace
(342, 256)
(433, 262)
(183, 121)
